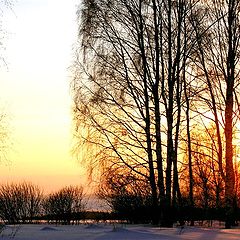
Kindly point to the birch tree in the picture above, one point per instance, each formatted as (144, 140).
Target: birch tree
(128, 88)
(218, 54)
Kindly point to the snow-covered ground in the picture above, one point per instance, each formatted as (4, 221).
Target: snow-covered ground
(110, 232)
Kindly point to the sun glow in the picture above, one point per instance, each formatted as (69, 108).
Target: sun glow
(35, 93)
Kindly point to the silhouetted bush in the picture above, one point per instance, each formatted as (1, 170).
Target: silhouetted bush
(19, 202)
(129, 197)
(64, 205)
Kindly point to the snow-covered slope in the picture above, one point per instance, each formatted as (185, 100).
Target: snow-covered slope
(111, 232)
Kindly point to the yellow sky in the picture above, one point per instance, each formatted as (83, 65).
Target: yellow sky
(34, 90)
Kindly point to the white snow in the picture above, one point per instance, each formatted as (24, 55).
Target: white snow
(112, 232)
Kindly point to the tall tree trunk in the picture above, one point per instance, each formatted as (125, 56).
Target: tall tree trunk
(156, 86)
(148, 122)
(169, 113)
(177, 198)
(189, 148)
(230, 177)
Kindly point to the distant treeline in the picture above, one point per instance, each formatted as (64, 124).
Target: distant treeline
(135, 207)
(25, 202)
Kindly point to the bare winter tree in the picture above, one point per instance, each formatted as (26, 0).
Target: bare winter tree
(19, 202)
(128, 88)
(4, 121)
(128, 196)
(65, 204)
(5, 6)
(217, 32)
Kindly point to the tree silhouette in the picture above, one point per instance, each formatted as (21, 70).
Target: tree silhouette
(128, 83)
(64, 205)
(219, 64)
(145, 73)
(19, 202)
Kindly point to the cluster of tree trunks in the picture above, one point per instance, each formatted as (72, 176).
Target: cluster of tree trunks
(149, 75)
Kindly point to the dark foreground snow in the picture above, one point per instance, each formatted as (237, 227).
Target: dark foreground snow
(110, 232)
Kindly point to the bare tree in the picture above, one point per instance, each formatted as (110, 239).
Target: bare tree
(64, 205)
(128, 196)
(218, 50)
(128, 89)
(19, 202)
(208, 184)
(5, 6)
(5, 144)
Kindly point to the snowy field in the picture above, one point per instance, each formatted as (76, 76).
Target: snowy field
(109, 232)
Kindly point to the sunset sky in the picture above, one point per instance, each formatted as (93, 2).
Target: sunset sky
(35, 93)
